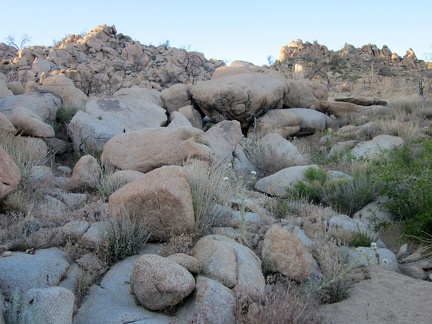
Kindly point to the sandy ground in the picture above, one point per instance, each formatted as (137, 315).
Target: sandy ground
(387, 297)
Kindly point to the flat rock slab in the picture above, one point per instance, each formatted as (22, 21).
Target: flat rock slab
(388, 297)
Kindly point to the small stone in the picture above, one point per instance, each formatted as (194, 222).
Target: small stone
(6, 253)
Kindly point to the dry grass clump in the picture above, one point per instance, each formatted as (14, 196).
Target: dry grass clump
(265, 158)
(208, 187)
(25, 152)
(182, 243)
(283, 302)
(126, 236)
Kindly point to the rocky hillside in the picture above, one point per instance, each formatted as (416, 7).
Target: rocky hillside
(132, 193)
(103, 61)
(368, 69)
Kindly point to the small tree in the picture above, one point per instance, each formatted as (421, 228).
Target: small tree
(10, 40)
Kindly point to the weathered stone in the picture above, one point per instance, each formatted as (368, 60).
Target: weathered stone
(373, 148)
(23, 271)
(29, 123)
(175, 97)
(280, 121)
(285, 253)
(340, 109)
(113, 296)
(161, 200)
(304, 94)
(223, 138)
(85, 174)
(231, 263)
(97, 233)
(44, 104)
(16, 87)
(5, 125)
(178, 120)
(240, 97)
(211, 302)
(65, 88)
(312, 120)
(362, 101)
(74, 230)
(188, 262)
(51, 305)
(149, 149)
(158, 282)
(278, 183)
(4, 90)
(10, 174)
(192, 115)
(103, 118)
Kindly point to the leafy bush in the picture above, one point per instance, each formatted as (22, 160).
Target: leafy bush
(406, 176)
(312, 187)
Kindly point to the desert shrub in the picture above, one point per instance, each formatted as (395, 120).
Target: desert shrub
(357, 239)
(264, 157)
(284, 302)
(26, 154)
(178, 244)
(208, 187)
(406, 176)
(125, 237)
(65, 114)
(107, 185)
(344, 194)
(312, 187)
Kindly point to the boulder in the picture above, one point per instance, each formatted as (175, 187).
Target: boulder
(51, 305)
(23, 271)
(212, 302)
(176, 97)
(278, 183)
(96, 234)
(16, 87)
(41, 65)
(312, 120)
(387, 297)
(158, 282)
(29, 123)
(378, 145)
(4, 90)
(5, 125)
(369, 256)
(304, 94)
(74, 230)
(341, 109)
(10, 174)
(112, 301)
(192, 115)
(103, 118)
(178, 120)
(43, 103)
(223, 138)
(231, 263)
(188, 262)
(85, 174)
(152, 148)
(284, 252)
(281, 121)
(362, 101)
(65, 88)
(123, 177)
(241, 97)
(161, 200)
(343, 227)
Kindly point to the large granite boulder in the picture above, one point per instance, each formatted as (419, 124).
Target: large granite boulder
(158, 282)
(29, 123)
(10, 174)
(102, 118)
(241, 97)
(161, 200)
(65, 88)
(152, 148)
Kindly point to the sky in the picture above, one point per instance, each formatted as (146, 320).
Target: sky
(232, 30)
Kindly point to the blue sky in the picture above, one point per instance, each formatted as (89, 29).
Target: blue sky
(232, 30)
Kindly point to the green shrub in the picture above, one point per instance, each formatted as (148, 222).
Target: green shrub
(406, 176)
(344, 194)
(360, 239)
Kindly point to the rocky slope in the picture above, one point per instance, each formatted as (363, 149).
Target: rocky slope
(197, 165)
